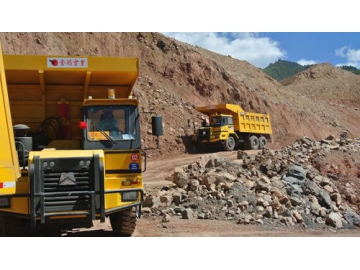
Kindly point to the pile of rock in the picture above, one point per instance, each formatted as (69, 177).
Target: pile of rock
(268, 188)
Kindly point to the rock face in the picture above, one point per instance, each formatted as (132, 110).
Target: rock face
(271, 187)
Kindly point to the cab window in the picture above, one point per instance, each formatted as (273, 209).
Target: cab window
(215, 121)
(118, 122)
(227, 121)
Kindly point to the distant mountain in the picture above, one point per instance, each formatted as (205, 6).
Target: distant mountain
(284, 69)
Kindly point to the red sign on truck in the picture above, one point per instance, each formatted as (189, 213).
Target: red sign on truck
(64, 62)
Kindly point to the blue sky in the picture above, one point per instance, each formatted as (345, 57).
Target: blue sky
(260, 32)
(264, 48)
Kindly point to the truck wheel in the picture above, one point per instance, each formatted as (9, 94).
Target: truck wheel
(2, 226)
(253, 142)
(124, 222)
(229, 144)
(13, 227)
(262, 142)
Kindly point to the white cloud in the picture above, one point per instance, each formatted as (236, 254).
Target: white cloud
(352, 56)
(257, 50)
(305, 62)
(341, 52)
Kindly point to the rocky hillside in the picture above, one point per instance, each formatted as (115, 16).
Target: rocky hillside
(332, 94)
(292, 186)
(176, 77)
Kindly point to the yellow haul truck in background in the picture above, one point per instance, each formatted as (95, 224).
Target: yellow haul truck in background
(232, 127)
(71, 147)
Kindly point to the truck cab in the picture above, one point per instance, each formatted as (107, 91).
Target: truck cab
(220, 127)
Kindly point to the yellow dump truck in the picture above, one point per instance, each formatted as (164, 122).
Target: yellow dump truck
(71, 147)
(231, 127)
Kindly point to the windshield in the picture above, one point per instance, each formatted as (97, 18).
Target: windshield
(115, 123)
(216, 121)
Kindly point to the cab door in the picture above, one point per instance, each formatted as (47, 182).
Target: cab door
(9, 163)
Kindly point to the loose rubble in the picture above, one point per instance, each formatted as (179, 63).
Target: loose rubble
(272, 187)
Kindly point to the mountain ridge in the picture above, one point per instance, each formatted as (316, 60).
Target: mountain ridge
(282, 69)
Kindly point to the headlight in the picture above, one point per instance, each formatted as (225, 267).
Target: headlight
(129, 196)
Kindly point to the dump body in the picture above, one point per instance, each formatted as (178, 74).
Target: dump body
(36, 86)
(235, 127)
(76, 170)
(9, 165)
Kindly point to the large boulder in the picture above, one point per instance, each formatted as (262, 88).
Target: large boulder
(180, 178)
(295, 179)
(334, 220)
(325, 199)
(351, 217)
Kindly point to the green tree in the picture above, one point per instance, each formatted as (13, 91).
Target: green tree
(351, 69)
(282, 69)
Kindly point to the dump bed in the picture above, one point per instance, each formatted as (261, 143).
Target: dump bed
(230, 109)
(36, 84)
(243, 121)
(9, 164)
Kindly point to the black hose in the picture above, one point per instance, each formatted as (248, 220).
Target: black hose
(49, 122)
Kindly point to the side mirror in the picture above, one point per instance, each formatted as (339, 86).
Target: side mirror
(157, 127)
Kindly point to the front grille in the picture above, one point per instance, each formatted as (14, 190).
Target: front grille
(203, 134)
(68, 197)
(65, 187)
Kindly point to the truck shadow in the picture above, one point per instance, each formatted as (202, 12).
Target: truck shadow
(93, 233)
(191, 148)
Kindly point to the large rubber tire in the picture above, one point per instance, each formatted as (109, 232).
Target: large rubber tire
(2, 226)
(13, 227)
(253, 143)
(262, 142)
(124, 222)
(229, 144)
